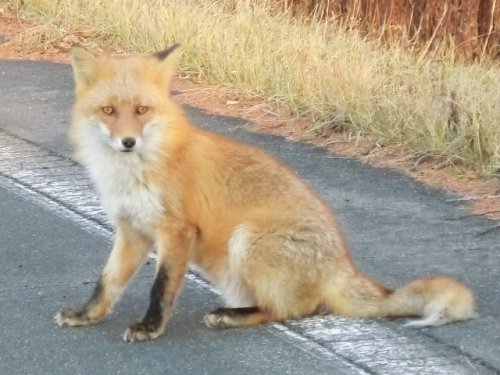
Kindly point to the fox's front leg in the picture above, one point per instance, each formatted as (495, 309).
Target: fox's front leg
(174, 247)
(129, 252)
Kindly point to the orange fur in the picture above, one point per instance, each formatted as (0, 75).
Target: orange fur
(242, 217)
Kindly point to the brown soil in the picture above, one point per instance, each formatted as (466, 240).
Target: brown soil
(483, 195)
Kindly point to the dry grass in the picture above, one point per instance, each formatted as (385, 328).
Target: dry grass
(427, 104)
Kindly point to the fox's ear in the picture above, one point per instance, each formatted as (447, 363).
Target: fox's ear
(168, 61)
(162, 55)
(84, 64)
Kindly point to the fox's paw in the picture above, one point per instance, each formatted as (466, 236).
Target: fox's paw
(73, 318)
(218, 319)
(142, 332)
(232, 317)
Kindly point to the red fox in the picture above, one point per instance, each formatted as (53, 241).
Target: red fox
(244, 219)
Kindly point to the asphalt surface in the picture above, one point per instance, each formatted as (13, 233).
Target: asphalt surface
(54, 240)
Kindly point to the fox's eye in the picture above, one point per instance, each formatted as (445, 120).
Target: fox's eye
(142, 109)
(108, 110)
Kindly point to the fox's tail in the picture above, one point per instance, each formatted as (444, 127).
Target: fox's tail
(437, 300)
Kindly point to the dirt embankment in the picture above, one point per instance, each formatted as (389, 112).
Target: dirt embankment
(470, 27)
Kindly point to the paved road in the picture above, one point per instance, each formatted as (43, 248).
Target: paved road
(54, 239)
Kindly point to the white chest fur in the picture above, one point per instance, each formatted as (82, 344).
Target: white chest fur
(125, 193)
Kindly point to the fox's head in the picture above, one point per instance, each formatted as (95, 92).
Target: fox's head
(121, 101)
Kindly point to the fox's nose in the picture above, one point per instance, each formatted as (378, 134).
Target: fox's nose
(128, 143)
